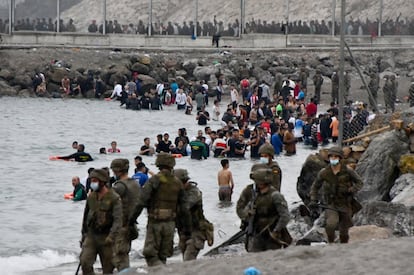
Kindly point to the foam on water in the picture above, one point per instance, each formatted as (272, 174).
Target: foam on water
(34, 261)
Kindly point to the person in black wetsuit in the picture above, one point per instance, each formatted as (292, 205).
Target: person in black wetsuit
(80, 155)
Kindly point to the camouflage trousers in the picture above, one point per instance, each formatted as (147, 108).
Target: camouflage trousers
(340, 220)
(159, 242)
(261, 242)
(190, 247)
(93, 245)
(121, 249)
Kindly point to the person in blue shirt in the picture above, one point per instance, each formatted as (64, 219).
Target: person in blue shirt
(277, 141)
(140, 176)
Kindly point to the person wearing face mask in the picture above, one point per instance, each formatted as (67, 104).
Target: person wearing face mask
(264, 212)
(267, 153)
(102, 220)
(129, 191)
(339, 184)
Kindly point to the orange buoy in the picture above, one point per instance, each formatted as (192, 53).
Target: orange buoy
(177, 155)
(68, 196)
(53, 157)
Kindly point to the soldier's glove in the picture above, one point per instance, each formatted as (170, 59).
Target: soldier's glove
(275, 235)
(109, 240)
(251, 212)
(82, 240)
(183, 242)
(313, 205)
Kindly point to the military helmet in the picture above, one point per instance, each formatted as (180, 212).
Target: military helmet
(118, 165)
(100, 174)
(267, 149)
(262, 175)
(335, 151)
(164, 159)
(181, 174)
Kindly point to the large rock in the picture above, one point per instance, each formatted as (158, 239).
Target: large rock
(379, 176)
(144, 59)
(325, 71)
(189, 66)
(26, 93)
(203, 73)
(403, 190)
(56, 74)
(22, 80)
(140, 68)
(284, 70)
(406, 164)
(6, 89)
(397, 217)
(6, 74)
(147, 80)
(323, 56)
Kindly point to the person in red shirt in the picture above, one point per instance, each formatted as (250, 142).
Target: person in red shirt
(297, 89)
(311, 108)
(113, 148)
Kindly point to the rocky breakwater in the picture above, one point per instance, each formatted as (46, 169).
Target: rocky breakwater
(385, 161)
(18, 67)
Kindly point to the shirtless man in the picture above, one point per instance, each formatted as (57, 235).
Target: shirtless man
(225, 181)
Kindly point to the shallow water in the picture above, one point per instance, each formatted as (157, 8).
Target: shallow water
(40, 230)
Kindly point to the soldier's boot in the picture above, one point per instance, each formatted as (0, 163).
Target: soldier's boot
(330, 233)
(153, 261)
(343, 237)
(191, 251)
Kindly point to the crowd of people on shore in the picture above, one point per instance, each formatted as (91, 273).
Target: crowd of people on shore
(397, 26)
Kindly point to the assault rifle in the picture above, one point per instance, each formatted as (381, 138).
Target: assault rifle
(236, 238)
(252, 212)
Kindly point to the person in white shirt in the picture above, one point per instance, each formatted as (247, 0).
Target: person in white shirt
(180, 99)
(216, 110)
(117, 91)
(234, 94)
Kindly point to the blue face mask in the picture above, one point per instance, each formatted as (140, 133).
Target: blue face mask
(95, 186)
(334, 162)
(264, 160)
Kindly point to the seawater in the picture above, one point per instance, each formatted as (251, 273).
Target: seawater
(40, 231)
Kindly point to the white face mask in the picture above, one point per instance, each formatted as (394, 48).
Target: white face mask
(334, 162)
(264, 160)
(95, 186)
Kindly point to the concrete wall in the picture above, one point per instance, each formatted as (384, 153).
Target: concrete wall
(269, 41)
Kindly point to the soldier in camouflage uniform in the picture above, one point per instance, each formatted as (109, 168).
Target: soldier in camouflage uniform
(201, 229)
(347, 84)
(373, 86)
(317, 82)
(339, 185)
(390, 92)
(102, 220)
(267, 153)
(162, 195)
(335, 87)
(411, 93)
(129, 191)
(303, 76)
(263, 206)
